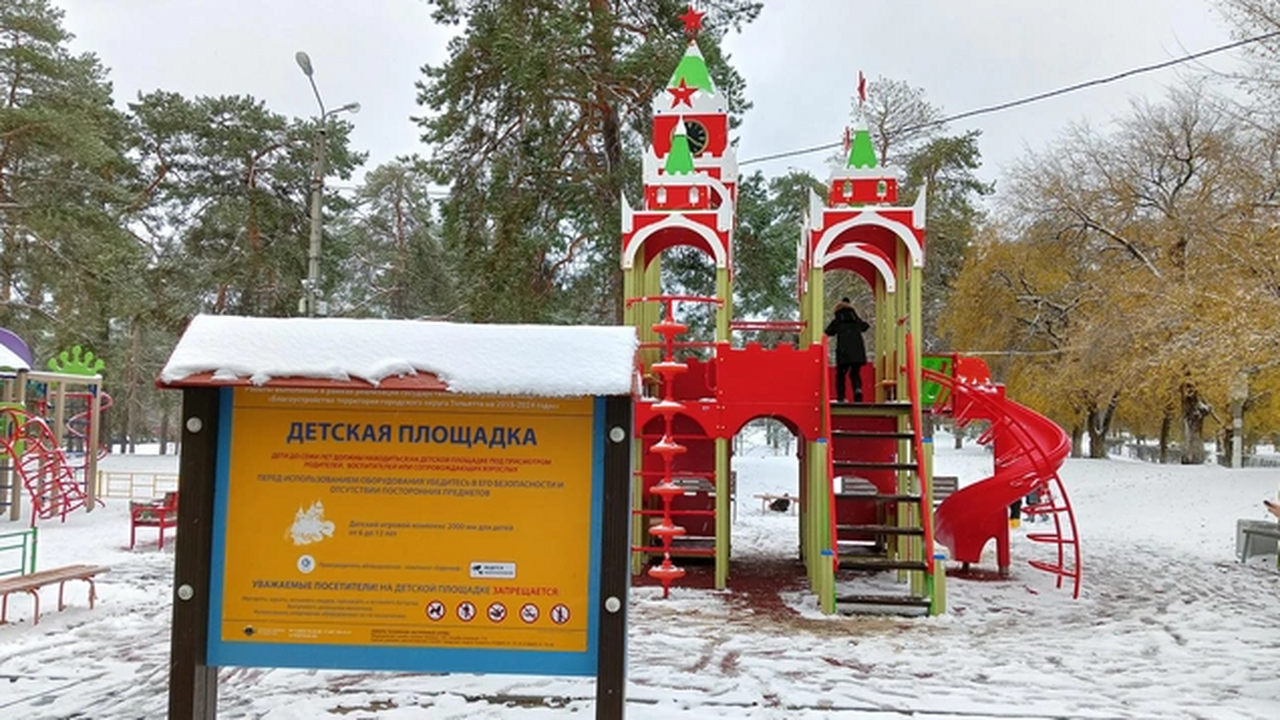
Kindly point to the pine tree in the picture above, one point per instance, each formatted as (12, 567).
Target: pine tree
(537, 120)
(63, 253)
(225, 209)
(396, 266)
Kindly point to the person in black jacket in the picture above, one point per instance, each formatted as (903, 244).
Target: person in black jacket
(851, 353)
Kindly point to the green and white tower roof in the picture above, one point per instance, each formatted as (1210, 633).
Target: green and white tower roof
(690, 91)
(680, 160)
(860, 157)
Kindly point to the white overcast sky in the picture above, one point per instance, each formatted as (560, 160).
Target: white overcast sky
(800, 60)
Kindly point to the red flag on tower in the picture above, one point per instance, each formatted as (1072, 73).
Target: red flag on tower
(862, 88)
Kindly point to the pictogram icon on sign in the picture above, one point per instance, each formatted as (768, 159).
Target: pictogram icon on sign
(559, 614)
(497, 612)
(529, 613)
(466, 611)
(435, 610)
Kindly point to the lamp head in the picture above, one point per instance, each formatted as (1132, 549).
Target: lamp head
(304, 62)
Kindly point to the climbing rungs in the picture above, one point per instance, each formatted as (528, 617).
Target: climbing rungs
(873, 435)
(683, 551)
(878, 498)
(873, 409)
(882, 529)
(1050, 538)
(903, 600)
(861, 465)
(855, 562)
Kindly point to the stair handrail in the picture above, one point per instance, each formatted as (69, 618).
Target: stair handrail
(917, 448)
(833, 525)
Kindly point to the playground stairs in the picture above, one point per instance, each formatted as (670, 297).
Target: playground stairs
(880, 510)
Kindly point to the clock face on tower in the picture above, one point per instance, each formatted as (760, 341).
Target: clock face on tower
(697, 134)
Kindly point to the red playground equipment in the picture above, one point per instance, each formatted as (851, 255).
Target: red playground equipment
(866, 486)
(32, 454)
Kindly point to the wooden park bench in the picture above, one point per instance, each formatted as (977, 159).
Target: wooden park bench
(32, 583)
(697, 484)
(944, 486)
(159, 514)
(1256, 537)
(793, 502)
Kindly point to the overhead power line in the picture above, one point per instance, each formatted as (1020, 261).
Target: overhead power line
(1036, 98)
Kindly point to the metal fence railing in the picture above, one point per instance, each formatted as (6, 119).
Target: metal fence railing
(17, 552)
(135, 485)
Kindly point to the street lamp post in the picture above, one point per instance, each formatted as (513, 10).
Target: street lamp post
(311, 304)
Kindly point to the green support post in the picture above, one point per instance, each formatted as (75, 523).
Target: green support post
(809, 547)
(937, 582)
(638, 522)
(824, 584)
(632, 280)
(628, 292)
(816, 310)
(722, 513)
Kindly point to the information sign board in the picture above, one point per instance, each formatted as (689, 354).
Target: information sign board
(405, 530)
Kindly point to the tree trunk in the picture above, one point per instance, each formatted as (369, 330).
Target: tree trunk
(1166, 430)
(1097, 444)
(602, 44)
(131, 402)
(400, 291)
(1077, 440)
(164, 430)
(1194, 411)
(1099, 426)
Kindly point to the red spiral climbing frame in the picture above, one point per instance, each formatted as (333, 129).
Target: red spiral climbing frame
(667, 447)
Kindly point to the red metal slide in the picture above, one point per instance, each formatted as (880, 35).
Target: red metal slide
(1029, 449)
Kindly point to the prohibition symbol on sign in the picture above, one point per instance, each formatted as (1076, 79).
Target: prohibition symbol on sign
(466, 611)
(497, 612)
(560, 614)
(529, 613)
(435, 610)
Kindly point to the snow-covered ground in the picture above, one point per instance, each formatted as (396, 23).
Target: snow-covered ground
(1168, 625)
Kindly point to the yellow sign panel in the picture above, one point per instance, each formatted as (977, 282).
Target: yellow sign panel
(408, 519)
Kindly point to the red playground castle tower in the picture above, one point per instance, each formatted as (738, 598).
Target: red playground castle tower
(867, 497)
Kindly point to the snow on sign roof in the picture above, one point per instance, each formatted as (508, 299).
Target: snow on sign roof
(543, 360)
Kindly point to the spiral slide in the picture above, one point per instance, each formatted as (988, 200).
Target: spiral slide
(1029, 449)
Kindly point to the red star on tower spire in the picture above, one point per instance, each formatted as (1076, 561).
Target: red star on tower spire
(682, 93)
(692, 21)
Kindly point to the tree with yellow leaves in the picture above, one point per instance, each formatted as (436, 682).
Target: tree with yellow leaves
(1133, 265)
